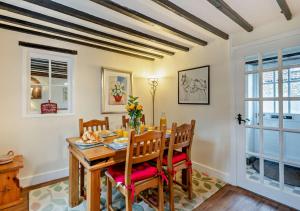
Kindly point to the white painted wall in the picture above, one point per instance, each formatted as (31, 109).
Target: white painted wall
(211, 146)
(42, 140)
(262, 33)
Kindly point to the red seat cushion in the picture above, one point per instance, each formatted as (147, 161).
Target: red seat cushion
(177, 157)
(139, 172)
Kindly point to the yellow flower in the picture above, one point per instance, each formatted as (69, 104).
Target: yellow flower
(127, 107)
(139, 107)
(131, 107)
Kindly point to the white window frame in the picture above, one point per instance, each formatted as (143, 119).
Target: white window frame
(28, 53)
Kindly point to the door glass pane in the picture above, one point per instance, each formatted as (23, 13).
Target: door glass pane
(271, 113)
(291, 118)
(252, 85)
(252, 112)
(291, 79)
(292, 179)
(292, 147)
(295, 89)
(271, 143)
(251, 63)
(271, 173)
(291, 56)
(270, 84)
(270, 60)
(252, 140)
(252, 167)
(295, 107)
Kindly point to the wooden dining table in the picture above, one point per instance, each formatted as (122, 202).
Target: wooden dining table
(94, 160)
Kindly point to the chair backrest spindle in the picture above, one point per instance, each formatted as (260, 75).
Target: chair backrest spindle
(93, 125)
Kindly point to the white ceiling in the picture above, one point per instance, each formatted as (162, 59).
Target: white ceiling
(256, 12)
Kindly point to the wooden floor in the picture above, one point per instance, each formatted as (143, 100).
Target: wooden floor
(228, 198)
(237, 199)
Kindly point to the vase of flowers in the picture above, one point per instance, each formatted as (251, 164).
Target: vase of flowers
(134, 110)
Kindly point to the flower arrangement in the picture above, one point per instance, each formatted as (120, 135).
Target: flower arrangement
(134, 110)
(118, 91)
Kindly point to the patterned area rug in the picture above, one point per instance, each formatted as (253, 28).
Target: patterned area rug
(55, 197)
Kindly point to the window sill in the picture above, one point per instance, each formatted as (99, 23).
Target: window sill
(47, 115)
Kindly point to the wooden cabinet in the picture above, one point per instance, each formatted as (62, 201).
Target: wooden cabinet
(10, 191)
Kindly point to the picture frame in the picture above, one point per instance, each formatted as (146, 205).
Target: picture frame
(116, 86)
(194, 86)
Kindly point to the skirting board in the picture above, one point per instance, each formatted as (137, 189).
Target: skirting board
(211, 171)
(43, 177)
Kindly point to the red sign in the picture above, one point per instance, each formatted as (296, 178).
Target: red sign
(48, 108)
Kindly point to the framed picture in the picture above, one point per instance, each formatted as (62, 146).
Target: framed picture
(193, 86)
(116, 87)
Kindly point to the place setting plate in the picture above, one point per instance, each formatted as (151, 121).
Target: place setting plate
(80, 142)
(121, 140)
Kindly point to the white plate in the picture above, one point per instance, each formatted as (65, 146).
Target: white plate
(6, 161)
(80, 142)
(122, 140)
(7, 158)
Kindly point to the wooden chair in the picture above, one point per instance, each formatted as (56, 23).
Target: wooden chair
(181, 139)
(92, 125)
(137, 174)
(125, 121)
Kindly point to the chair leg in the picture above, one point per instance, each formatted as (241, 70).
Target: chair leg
(160, 195)
(109, 193)
(189, 183)
(171, 193)
(184, 179)
(81, 180)
(128, 201)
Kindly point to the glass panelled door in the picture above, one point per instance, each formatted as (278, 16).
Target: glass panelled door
(270, 151)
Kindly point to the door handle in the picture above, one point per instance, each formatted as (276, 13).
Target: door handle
(241, 120)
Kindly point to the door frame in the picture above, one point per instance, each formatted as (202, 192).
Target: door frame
(237, 54)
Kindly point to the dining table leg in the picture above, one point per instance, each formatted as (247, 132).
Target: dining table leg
(93, 190)
(73, 180)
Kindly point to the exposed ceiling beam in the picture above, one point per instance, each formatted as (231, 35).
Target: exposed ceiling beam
(74, 35)
(47, 48)
(285, 9)
(41, 34)
(148, 20)
(102, 22)
(192, 18)
(233, 15)
(39, 16)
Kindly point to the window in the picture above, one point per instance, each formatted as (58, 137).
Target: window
(49, 77)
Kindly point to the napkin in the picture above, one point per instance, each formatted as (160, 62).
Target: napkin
(116, 146)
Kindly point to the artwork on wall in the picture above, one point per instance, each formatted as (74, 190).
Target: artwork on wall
(193, 86)
(116, 88)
